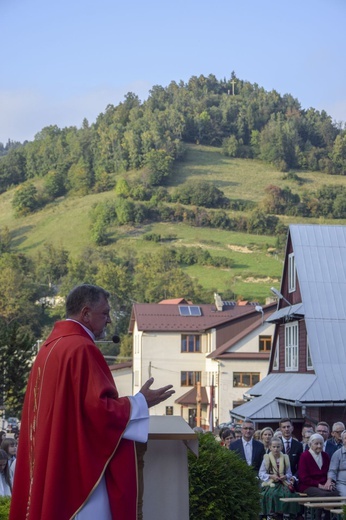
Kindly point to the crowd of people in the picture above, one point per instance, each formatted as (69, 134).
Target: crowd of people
(286, 466)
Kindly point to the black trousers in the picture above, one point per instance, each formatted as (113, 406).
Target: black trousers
(317, 492)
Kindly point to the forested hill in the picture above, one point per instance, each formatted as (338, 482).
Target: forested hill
(242, 118)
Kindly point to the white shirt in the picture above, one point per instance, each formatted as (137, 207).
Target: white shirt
(247, 445)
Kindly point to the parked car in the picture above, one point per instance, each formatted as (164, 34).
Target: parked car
(12, 425)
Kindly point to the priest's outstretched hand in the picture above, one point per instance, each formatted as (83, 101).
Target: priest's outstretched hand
(154, 397)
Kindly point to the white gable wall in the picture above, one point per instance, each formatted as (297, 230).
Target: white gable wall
(228, 393)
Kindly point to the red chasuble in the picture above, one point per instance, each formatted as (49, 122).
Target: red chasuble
(71, 433)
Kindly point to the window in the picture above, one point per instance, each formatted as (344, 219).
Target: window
(190, 343)
(291, 346)
(276, 358)
(190, 378)
(265, 343)
(169, 410)
(245, 378)
(291, 273)
(309, 364)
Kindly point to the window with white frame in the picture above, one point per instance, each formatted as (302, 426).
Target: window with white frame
(291, 346)
(309, 364)
(291, 273)
(276, 358)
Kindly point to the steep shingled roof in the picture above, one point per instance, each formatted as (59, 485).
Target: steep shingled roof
(151, 317)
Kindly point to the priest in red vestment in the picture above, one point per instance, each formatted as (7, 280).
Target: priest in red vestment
(75, 450)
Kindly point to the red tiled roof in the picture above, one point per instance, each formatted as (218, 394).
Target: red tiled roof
(176, 301)
(152, 317)
(191, 397)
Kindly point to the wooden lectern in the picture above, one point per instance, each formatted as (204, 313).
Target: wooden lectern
(163, 464)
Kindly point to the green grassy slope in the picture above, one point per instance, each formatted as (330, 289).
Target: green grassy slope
(256, 268)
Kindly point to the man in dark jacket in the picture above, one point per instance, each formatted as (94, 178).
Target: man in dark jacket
(323, 429)
(291, 447)
(249, 449)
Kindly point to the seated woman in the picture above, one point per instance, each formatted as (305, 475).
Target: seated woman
(276, 476)
(337, 468)
(266, 436)
(10, 446)
(313, 469)
(5, 480)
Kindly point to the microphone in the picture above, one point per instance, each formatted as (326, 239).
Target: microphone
(116, 339)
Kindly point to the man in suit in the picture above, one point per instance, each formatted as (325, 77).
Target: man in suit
(323, 429)
(307, 431)
(249, 449)
(291, 447)
(336, 440)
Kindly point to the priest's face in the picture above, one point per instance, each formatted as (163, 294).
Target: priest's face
(97, 318)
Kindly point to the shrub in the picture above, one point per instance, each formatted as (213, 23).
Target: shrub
(222, 486)
(5, 503)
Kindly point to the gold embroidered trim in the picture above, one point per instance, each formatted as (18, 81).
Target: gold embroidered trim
(37, 394)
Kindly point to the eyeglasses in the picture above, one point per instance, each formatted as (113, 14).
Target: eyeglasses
(247, 428)
(338, 431)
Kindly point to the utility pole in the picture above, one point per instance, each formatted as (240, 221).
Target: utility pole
(198, 401)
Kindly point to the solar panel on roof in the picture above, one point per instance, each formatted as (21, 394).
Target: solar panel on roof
(189, 310)
(195, 311)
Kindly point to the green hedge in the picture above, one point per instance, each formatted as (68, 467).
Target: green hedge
(222, 486)
(4, 507)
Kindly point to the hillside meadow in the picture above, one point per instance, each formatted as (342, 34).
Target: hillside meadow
(257, 265)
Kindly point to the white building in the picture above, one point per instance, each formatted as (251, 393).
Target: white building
(222, 349)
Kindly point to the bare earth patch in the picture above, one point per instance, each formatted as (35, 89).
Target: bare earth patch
(252, 279)
(239, 249)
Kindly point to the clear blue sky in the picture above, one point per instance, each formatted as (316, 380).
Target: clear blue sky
(65, 60)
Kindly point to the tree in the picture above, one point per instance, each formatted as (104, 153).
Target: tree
(339, 154)
(159, 164)
(80, 178)
(25, 200)
(200, 193)
(54, 184)
(5, 240)
(51, 264)
(17, 349)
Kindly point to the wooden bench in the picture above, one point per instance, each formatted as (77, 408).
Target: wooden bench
(312, 504)
(337, 514)
(329, 505)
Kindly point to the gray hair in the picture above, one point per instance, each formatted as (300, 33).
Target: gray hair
(315, 437)
(339, 423)
(82, 296)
